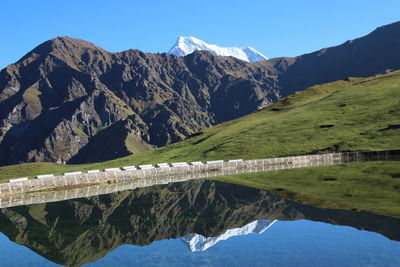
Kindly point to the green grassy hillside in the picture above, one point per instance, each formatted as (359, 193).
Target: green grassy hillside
(368, 186)
(349, 115)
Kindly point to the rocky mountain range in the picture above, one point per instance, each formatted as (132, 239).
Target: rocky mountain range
(80, 231)
(69, 101)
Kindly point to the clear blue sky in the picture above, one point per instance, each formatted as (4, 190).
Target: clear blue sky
(275, 28)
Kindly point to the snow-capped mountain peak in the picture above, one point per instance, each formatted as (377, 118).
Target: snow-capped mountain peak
(189, 44)
(197, 242)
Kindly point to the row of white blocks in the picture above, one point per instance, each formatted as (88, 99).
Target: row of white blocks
(77, 177)
(195, 163)
(128, 180)
(131, 168)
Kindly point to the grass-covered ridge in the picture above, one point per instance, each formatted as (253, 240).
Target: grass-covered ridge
(354, 114)
(370, 186)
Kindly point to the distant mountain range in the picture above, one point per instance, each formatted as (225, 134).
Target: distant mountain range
(187, 45)
(69, 101)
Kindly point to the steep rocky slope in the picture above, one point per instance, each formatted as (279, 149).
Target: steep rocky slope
(60, 97)
(64, 92)
(377, 52)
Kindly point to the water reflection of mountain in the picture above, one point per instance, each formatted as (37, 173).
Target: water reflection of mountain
(80, 231)
(196, 242)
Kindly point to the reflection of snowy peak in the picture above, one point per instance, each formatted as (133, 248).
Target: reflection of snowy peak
(187, 45)
(197, 242)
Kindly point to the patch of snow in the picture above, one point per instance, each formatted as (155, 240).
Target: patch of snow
(187, 45)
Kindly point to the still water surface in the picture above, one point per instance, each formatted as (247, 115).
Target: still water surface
(156, 227)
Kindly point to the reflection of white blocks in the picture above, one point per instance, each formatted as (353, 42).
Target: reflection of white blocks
(72, 173)
(18, 180)
(93, 171)
(112, 170)
(235, 160)
(179, 164)
(215, 161)
(145, 167)
(44, 176)
(129, 168)
(197, 163)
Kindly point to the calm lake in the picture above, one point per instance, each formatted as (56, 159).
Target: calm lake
(194, 223)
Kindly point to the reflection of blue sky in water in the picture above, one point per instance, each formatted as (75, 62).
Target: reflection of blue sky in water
(12, 254)
(295, 243)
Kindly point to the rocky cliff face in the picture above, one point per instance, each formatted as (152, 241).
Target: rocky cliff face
(61, 95)
(57, 101)
(80, 231)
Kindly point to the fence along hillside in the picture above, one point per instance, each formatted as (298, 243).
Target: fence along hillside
(148, 175)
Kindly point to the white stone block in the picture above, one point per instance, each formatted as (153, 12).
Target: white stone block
(112, 170)
(179, 164)
(146, 167)
(44, 176)
(235, 160)
(72, 173)
(18, 180)
(214, 161)
(93, 171)
(129, 168)
(162, 165)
